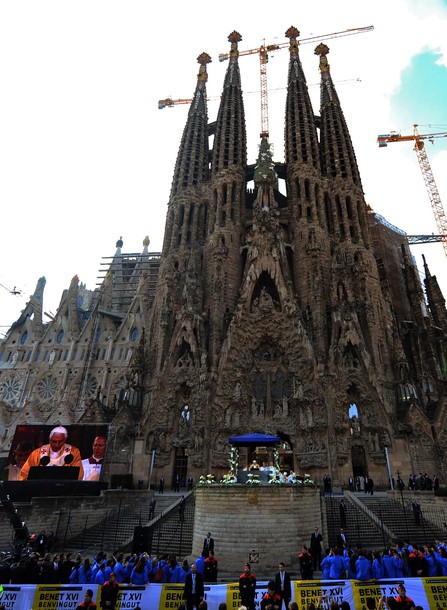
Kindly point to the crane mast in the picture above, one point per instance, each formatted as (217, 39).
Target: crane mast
(427, 173)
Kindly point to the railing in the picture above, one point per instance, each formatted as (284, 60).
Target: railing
(170, 530)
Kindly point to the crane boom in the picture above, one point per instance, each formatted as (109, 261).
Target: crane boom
(263, 52)
(427, 173)
(426, 239)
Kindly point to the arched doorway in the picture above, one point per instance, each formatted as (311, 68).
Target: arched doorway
(180, 466)
(358, 459)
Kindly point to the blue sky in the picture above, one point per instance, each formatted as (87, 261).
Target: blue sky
(422, 98)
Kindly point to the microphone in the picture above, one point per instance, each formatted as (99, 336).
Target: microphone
(68, 459)
(44, 461)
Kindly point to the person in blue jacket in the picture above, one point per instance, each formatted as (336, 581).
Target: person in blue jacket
(363, 567)
(336, 570)
(378, 569)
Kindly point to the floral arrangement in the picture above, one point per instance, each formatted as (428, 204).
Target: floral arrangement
(228, 479)
(206, 480)
(234, 461)
(304, 481)
(253, 479)
(276, 458)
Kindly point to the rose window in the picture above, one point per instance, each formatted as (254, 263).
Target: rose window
(10, 391)
(91, 387)
(47, 388)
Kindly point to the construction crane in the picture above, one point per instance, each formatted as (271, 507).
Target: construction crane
(263, 52)
(15, 291)
(424, 164)
(415, 240)
(168, 102)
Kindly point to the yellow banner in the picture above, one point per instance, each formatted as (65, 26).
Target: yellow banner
(233, 596)
(57, 597)
(436, 592)
(171, 596)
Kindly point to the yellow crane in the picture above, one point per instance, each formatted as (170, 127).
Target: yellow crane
(263, 52)
(169, 102)
(427, 173)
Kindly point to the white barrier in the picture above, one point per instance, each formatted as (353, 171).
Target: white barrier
(426, 592)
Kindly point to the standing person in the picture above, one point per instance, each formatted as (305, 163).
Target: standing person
(193, 591)
(88, 601)
(41, 543)
(181, 509)
(109, 593)
(211, 568)
(93, 464)
(316, 540)
(177, 483)
(416, 512)
(56, 453)
(351, 484)
(190, 483)
(161, 485)
(306, 564)
(342, 509)
(208, 544)
(247, 587)
(341, 539)
(283, 584)
(152, 504)
(271, 600)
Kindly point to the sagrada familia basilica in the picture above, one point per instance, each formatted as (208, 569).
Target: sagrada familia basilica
(299, 315)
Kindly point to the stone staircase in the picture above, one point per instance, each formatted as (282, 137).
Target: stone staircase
(373, 522)
(116, 531)
(398, 516)
(361, 528)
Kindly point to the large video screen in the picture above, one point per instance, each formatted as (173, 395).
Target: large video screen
(78, 451)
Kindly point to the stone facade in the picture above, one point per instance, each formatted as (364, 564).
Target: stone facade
(298, 314)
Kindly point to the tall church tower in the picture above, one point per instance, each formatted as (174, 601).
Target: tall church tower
(275, 313)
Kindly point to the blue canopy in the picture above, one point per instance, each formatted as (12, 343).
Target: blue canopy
(246, 440)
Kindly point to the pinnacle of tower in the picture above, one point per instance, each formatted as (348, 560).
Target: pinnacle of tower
(337, 152)
(301, 141)
(119, 245)
(435, 298)
(146, 242)
(191, 168)
(265, 177)
(230, 144)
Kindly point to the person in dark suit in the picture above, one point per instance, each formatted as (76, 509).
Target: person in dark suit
(194, 590)
(161, 485)
(343, 509)
(208, 545)
(283, 584)
(316, 540)
(341, 539)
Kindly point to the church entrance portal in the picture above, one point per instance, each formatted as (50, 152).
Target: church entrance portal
(358, 458)
(180, 467)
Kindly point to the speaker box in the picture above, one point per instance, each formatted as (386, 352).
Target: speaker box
(142, 540)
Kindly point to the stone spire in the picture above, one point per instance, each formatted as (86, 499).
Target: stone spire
(301, 142)
(435, 298)
(230, 145)
(191, 168)
(337, 152)
(345, 199)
